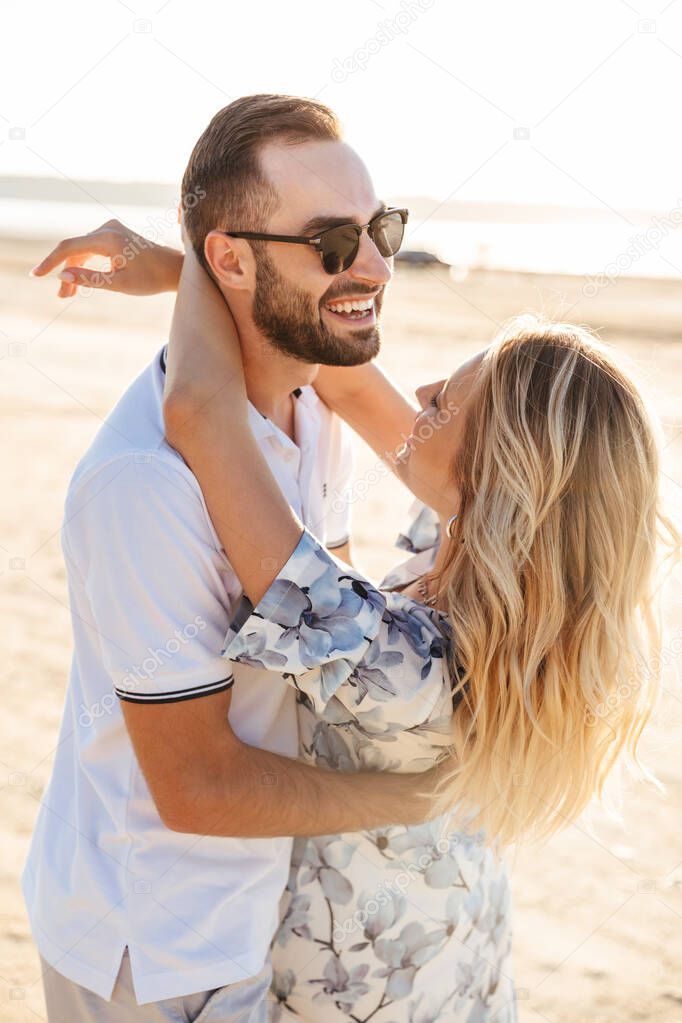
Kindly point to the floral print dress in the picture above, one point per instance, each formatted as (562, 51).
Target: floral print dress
(402, 924)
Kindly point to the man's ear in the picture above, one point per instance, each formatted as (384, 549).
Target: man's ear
(231, 260)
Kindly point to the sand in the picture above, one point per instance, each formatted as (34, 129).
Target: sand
(598, 910)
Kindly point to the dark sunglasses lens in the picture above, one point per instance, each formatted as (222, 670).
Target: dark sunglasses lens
(339, 247)
(387, 233)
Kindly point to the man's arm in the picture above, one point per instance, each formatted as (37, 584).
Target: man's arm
(140, 540)
(342, 552)
(206, 781)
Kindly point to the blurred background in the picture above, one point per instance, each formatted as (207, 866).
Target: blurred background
(537, 147)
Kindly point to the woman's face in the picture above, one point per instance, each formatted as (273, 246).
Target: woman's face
(425, 463)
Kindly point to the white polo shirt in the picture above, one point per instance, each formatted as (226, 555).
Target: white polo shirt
(151, 594)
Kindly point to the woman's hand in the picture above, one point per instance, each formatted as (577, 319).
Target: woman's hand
(137, 266)
(204, 383)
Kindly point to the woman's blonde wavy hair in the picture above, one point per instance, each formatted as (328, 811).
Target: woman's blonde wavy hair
(551, 580)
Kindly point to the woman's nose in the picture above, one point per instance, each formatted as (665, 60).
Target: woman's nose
(422, 396)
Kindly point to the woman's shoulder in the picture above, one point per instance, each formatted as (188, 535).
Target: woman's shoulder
(420, 536)
(421, 532)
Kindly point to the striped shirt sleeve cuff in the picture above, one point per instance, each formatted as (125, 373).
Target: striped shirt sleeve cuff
(175, 696)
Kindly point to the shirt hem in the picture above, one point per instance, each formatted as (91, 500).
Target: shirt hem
(65, 963)
(331, 545)
(154, 987)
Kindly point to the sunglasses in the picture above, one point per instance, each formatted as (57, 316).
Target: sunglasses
(338, 246)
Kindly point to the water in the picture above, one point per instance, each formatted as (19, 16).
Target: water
(646, 250)
(650, 248)
(44, 220)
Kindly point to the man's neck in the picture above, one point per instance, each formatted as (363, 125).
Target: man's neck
(271, 378)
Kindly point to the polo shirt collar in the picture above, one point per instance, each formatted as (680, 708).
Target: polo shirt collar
(306, 417)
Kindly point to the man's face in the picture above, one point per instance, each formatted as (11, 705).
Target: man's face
(297, 305)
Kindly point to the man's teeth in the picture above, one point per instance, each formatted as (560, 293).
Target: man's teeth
(351, 307)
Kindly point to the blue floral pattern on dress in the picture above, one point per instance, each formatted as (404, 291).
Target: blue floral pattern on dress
(423, 530)
(398, 924)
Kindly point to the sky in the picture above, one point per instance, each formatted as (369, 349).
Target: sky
(572, 103)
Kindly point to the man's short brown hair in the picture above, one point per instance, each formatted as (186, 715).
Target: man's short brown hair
(223, 186)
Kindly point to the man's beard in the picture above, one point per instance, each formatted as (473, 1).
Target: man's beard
(291, 321)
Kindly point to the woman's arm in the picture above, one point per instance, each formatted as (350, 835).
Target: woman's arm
(219, 789)
(370, 403)
(206, 417)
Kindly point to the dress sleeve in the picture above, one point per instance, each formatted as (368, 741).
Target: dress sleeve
(422, 531)
(331, 633)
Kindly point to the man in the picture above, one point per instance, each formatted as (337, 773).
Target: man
(136, 917)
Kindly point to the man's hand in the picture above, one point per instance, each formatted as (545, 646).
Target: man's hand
(137, 266)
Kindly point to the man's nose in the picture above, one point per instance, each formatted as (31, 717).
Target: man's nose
(369, 265)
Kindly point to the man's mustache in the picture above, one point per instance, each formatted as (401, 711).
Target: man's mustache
(356, 289)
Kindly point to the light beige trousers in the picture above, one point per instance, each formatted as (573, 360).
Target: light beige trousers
(67, 1002)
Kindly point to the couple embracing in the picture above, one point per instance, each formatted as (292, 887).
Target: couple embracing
(298, 810)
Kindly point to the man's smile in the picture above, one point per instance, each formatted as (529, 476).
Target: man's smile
(356, 309)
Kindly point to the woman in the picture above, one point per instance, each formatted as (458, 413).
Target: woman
(499, 649)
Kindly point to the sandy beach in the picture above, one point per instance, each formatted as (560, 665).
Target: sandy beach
(598, 910)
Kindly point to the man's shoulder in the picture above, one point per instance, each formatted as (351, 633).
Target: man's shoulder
(130, 450)
(143, 501)
(131, 473)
